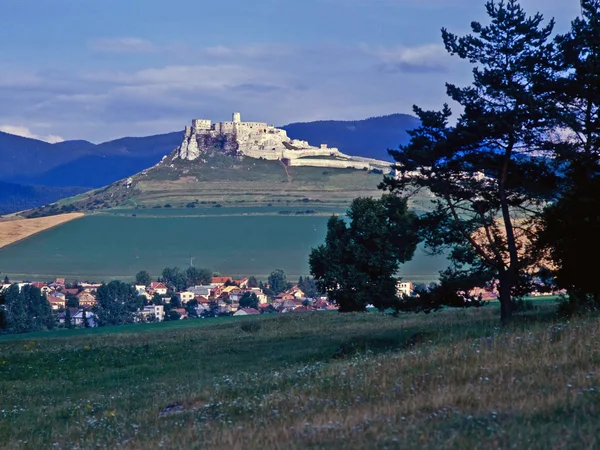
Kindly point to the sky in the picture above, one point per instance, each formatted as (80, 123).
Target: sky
(103, 69)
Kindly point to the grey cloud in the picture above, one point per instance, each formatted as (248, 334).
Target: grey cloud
(339, 82)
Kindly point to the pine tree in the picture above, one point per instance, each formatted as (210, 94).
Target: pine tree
(486, 171)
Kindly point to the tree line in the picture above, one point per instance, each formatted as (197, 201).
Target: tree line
(515, 176)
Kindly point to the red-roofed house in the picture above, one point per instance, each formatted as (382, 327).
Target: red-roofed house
(56, 302)
(246, 312)
(86, 299)
(243, 283)
(159, 288)
(220, 281)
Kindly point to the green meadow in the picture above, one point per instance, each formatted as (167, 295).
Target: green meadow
(452, 379)
(235, 241)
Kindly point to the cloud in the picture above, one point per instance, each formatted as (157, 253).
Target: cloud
(26, 132)
(124, 45)
(274, 84)
(421, 58)
(249, 51)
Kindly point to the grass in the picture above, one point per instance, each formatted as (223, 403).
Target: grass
(453, 379)
(117, 245)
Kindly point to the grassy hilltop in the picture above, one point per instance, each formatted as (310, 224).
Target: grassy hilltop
(227, 181)
(317, 380)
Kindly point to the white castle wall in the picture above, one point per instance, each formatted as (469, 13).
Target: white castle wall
(260, 140)
(334, 164)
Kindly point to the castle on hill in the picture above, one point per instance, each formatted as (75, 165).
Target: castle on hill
(260, 140)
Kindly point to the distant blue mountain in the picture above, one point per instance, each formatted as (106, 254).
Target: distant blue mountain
(15, 197)
(369, 138)
(30, 164)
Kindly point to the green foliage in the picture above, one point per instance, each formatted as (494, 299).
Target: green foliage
(252, 282)
(252, 326)
(172, 315)
(157, 299)
(27, 310)
(249, 300)
(570, 228)
(277, 281)
(486, 171)
(174, 278)
(117, 303)
(357, 264)
(197, 277)
(143, 278)
(68, 319)
(308, 285)
(175, 302)
(72, 301)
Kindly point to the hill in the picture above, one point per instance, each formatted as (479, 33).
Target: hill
(369, 138)
(81, 163)
(17, 197)
(452, 379)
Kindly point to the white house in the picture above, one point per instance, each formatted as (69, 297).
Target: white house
(404, 288)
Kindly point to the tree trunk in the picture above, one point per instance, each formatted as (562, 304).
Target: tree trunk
(506, 303)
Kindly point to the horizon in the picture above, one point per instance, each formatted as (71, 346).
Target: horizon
(98, 72)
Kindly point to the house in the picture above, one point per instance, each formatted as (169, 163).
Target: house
(321, 304)
(202, 300)
(153, 313)
(202, 290)
(158, 288)
(220, 281)
(60, 281)
(183, 314)
(90, 287)
(267, 308)
(229, 290)
(70, 291)
(72, 311)
(262, 298)
(404, 288)
(90, 318)
(59, 295)
(56, 302)
(86, 299)
(286, 306)
(284, 296)
(41, 286)
(484, 293)
(296, 292)
(185, 297)
(140, 289)
(243, 283)
(246, 312)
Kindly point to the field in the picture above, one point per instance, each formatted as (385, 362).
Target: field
(451, 379)
(234, 241)
(12, 231)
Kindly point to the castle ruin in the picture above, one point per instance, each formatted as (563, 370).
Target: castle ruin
(260, 140)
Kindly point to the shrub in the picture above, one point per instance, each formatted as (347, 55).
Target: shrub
(251, 326)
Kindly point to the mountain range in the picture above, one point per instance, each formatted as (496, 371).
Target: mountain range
(34, 172)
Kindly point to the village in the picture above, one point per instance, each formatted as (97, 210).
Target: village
(74, 303)
(224, 296)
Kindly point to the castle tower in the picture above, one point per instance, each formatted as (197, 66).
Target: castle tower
(237, 117)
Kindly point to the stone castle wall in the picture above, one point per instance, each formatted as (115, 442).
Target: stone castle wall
(260, 140)
(331, 163)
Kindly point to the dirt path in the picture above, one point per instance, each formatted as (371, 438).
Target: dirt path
(289, 177)
(12, 231)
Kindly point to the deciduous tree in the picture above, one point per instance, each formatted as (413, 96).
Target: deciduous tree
(358, 262)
